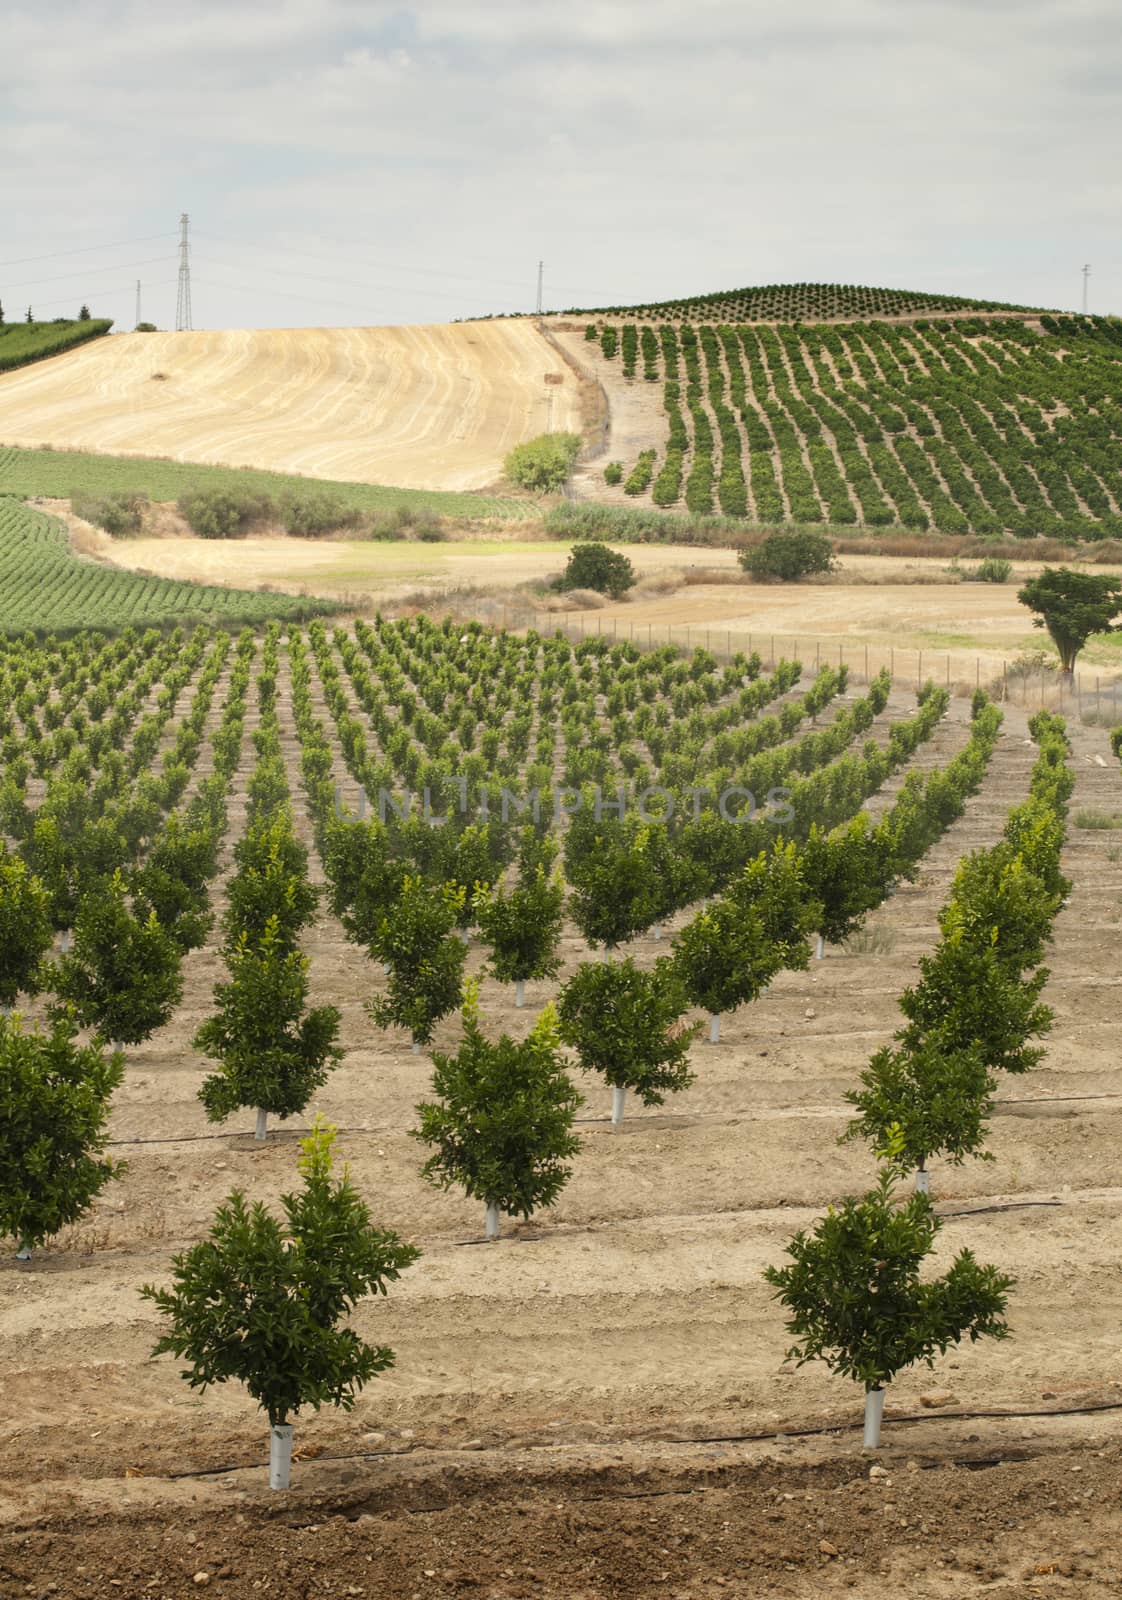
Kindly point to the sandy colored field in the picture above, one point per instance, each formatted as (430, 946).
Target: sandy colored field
(599, 1405)
(421, 407)
(861, 606)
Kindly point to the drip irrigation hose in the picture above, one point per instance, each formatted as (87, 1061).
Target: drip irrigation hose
(760, 1437)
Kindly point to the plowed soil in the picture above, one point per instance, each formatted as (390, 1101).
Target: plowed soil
(598, 1405)
(418, 407)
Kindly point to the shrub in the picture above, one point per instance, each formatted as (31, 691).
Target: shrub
(312, 513)
(788, 556)
(595, 566)
(994, 569)
(260, 1301)
(120, 514)
(639, 478)
(613, 472)
(146, 327)
(542, 465)
(224, 513)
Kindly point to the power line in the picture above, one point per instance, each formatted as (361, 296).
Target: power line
(378, 266)
(127, 288)
(114, 244)
(346, 283)
(84, 273)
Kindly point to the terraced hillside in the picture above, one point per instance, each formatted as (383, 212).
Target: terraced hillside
(964, 424)
(790, 302)
(422, 407)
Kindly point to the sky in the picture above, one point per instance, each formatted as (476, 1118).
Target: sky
(349, 162)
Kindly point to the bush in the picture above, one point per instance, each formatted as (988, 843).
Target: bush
(542, 465)
(146, 327)
(312, 513)
(594, 566)
(994, 569)
(120, 514)
(613, 472)
(224, 513)
(789, 556)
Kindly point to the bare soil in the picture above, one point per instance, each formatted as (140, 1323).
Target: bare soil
(599, 1403)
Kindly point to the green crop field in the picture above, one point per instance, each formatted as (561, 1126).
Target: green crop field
(794, 302)
(966, 425)
(56, 473)
(24, 342)
(43, 586)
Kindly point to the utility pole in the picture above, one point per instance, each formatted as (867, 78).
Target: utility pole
(136, 324)
(1086, 275)
(541, 270)
(183, 299)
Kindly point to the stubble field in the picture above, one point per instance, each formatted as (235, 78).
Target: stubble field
(420, 407)
(598, 1404)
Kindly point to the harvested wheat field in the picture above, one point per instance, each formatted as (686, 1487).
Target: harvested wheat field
(419, 407)
(598, 1405)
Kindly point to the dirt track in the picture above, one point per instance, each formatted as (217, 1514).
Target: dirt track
(417, 407)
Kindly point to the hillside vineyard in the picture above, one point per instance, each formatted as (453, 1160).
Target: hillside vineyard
(982, 425)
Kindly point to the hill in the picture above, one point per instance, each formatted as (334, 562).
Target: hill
(22, 343)
(800, 302)
(423, 407)
(965, 425)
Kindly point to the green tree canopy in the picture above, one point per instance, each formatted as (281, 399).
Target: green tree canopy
(501, 1126)
(856, 1299)
(54, 1111)
(1073, 607)
(261, 1300)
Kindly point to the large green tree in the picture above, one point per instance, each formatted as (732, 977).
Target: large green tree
(1073, 607)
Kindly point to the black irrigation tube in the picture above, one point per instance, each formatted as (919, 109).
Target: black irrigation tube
(591, 1122)
(195, 1138)
(781, 1434)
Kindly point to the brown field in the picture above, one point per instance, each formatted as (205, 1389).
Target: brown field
(599, 1405)
(419, 407)
(894, 610)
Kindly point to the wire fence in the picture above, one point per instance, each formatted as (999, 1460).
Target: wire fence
(1029, 682)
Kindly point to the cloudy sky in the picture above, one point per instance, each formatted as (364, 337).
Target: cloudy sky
(348, 161)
